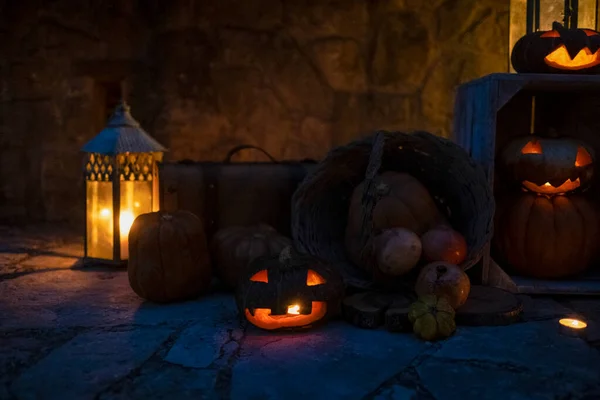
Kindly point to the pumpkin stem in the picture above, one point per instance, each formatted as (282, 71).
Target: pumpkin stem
(382, 189)
(441, 270)
(557, 26)
(286, 255)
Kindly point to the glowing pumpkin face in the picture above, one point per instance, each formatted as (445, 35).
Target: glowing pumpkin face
(558, 51)
(549, 166)
(291, 291)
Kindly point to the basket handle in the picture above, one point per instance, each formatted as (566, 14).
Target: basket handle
(241, 147)
(370, 195)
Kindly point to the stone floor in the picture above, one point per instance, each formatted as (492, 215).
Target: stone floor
(73, 333)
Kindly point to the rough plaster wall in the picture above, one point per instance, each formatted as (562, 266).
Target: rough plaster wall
(292, 76)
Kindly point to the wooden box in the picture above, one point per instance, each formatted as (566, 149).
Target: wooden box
(491, 110)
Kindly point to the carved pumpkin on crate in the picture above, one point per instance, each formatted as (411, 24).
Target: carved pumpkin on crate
(549, 165)
(233, 248)
(559, 50)
(547, 237)
(168, 257)
(289, 291)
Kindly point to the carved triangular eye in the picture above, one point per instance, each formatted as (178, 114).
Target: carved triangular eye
(532, 147)
(260, 276)
(583, 158)
(590, 32)
(314, 279)
(550, 34)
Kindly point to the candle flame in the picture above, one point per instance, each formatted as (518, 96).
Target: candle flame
(125, 221)
(572, 323)
(294, 309)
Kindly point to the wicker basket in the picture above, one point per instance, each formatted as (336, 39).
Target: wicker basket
(458, 185)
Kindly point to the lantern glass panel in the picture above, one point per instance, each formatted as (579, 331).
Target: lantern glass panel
(587, 14)
(136, 199)
(550, 11)
(99, 207)
(136, 175)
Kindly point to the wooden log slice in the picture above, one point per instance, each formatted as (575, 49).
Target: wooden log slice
(371, 310)
(489, 306)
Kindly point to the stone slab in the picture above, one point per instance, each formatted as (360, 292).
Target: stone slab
(167, 382)
(480, 381)
(87, 364)
(397, 392)
(542, 308)
(89, 298)
(335, 362)
(202, 344)
(48, 262)
(536, 345)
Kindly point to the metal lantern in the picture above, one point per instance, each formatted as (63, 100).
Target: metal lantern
(121, 182)
(528, 16)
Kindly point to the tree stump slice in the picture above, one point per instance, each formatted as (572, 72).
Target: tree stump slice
(371, 310)
(489, 306)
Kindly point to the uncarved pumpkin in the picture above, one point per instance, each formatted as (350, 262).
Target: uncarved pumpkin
(547, 237)
(233, 248)
(403, 203)
(168, 257)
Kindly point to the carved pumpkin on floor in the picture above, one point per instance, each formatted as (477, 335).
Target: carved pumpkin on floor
(547, 237)
(168, 257)
(559, 50)
(289, 291)
(549, 165)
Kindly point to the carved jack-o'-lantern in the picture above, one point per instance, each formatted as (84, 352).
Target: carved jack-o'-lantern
(549, 165)
(290, 291)
(559, 50)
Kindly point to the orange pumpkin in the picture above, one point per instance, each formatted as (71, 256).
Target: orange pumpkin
(403, 203)
(547, 237)
(233, 248)
(289, 291)
(168, 257)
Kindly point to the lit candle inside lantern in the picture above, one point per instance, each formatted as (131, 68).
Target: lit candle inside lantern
(294, 309)
(572, 326)
(126, 218)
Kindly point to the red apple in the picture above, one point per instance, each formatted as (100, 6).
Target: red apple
(444, 280)
(443, 243)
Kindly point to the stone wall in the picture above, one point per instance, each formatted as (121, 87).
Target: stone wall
(292, 76)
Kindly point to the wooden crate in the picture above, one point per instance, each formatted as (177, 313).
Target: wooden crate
(491, 110)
